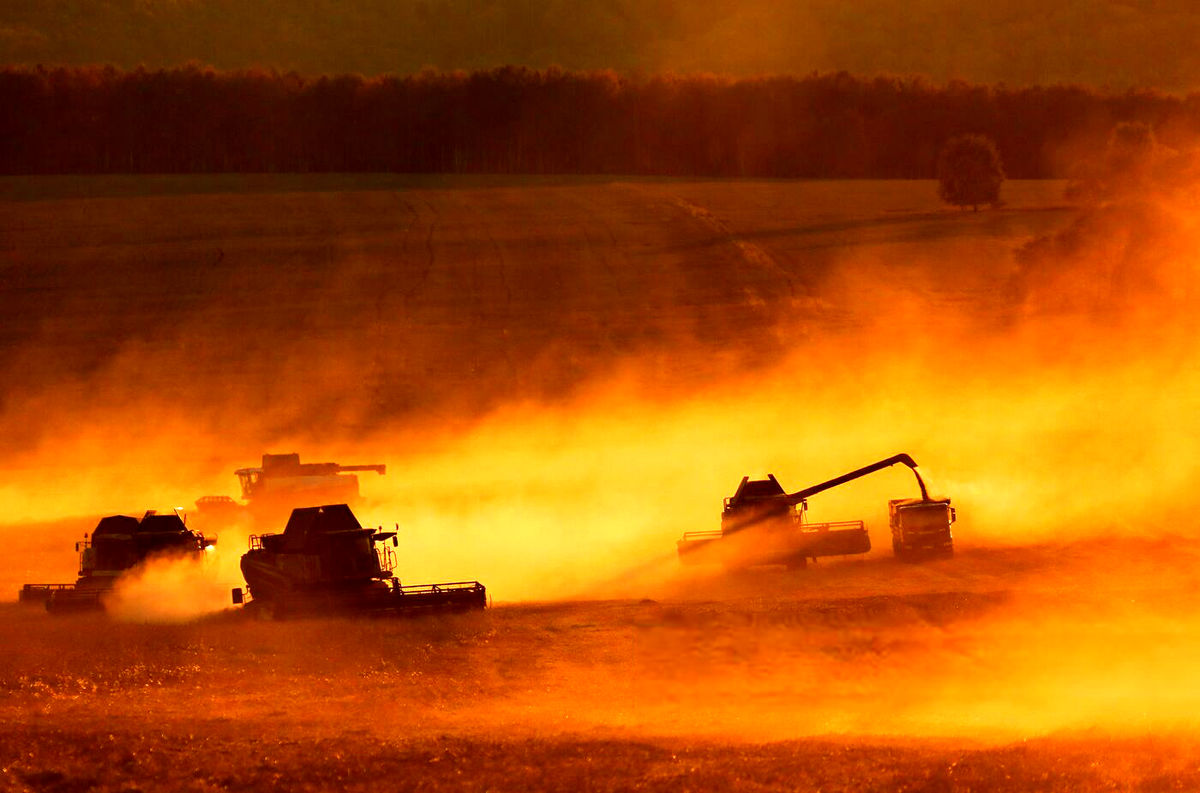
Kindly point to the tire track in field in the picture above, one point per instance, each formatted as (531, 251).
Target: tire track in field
(505, 350)
(503, 272)
(750, 252)
(387, 289)
(430, 255)
(599, 251)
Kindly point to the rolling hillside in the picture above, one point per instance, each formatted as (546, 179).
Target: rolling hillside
(451, 294)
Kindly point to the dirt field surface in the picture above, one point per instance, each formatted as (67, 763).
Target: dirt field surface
(563, 376)
(999, 670)
(226, 759)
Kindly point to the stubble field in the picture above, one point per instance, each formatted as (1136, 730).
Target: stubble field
(564, 375)
(994, 671)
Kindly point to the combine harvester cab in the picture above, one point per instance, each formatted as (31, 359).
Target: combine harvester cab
(325, 563)
(762, 524)
(118, 544)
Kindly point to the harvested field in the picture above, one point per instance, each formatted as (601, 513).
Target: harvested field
(859, 677)
(445, 295)
(563, 375)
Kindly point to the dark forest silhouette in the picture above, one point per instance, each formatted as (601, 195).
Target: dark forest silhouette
(194, 119)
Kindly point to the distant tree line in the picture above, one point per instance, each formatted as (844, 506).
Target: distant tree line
(195, 119)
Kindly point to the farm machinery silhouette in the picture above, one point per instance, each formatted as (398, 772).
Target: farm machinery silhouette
(118, 544)
(325, 562)
(281, 483)
(762, 524)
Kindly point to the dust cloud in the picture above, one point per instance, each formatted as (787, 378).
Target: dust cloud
(1062, 426)
(168, 590)
(1069, 428)
(1041, 422)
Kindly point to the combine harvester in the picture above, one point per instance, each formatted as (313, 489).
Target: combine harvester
(280, 483)
(118, 544)
(762, 524)
(325, 563)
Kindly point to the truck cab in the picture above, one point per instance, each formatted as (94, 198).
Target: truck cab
(921, 528)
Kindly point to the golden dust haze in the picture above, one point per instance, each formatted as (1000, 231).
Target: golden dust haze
(1071, 428)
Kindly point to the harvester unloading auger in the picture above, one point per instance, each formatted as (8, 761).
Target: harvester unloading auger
(763, 524)
(325, 562)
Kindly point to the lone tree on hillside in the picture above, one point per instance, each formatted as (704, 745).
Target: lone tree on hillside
(969, 172)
